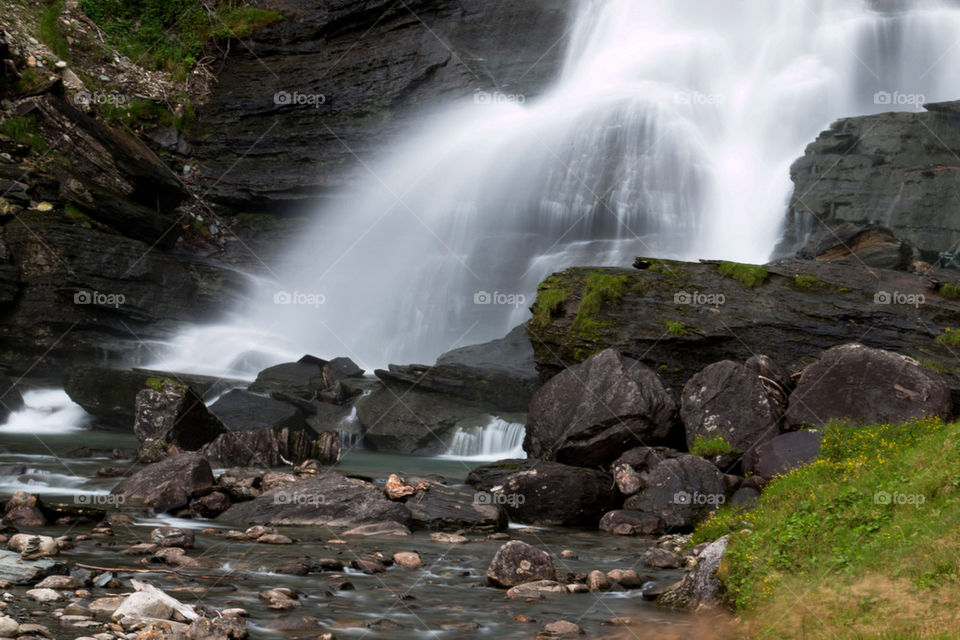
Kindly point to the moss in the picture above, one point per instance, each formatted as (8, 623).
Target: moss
(750, 275)
(551, 295)
(25, 130)
(949, 290)
(709, 447)
(157, 384)
(676, 328)
(601, 289)
(809, 282)
(70, 212)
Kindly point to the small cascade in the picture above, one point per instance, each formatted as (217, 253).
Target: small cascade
(351, 436)
(497, 440)
(49, 411)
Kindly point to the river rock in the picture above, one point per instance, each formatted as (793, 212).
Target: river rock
(397, 488)
(8, 627)
(23, 510)
(212, 504)
(597, 581)
(408, 559)
(517, 562)
(60, 582)
(220, 628)
(728, 400)
(864, 385)
(43, 596)
(441, 537)
(660, 558)
(592, 412)
(679, 491)
(240, 410)
(302, 379)
(14, 569)
(378, 529)
(535, 589)
(702, 586)
(561, 629)
(172, 537)
(783, 453)
(267, 447)
(437, 506)
(325, 499)
(545, 493)
(626, 578)
(32, 547)
(172, 417)
(168, 484)
(10, 398)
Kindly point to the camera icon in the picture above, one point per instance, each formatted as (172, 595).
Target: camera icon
(482, 497)
(482, 297)
(882, 297)
(682, 497)
(881, 497)
(282, 297)
(81, 498)
(282, 98)
(82, 297)
(682, 298)
(481, 97)
(882, 97)
(282, 498)
(682, 97)
(82, 98)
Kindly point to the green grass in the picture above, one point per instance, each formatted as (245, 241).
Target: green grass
(676, 328)
(25, 130)
(949, 338)
(710, 447)
(949, 290)
(601, 289)
(750, 275)
(48, 29)
(861, 543)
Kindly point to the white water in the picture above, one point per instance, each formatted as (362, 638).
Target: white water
(497, 440)
(46, 411)
(669, 133)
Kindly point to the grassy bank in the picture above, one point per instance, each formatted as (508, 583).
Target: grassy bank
(863, 543)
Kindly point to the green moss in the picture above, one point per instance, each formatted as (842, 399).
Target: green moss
(676, 328)
(949, 290)
(949, 338)
(710, 447)
(48, 29)
(933, 365)
(750, 275)
(72, 213)
(157, 384)
(25, 131)
(550, 297)
(601, 289)
(809, 283)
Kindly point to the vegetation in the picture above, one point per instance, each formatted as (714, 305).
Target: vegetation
(157, 384)
(709, 447)
(600, 289)
(25, 130)
(860, 544)
(750, 275)
(550, 295)
(48, 29)
(949, 338)
(170, 34)
(950, 290)
(676, 328)
(809, 283)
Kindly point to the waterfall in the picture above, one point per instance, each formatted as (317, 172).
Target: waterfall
(669, 132)
(496, 440)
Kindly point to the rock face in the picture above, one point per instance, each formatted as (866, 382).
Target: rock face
(545, 493)
(10, 398)
(267, 447)
(592, 412)
(700, 587)
(679, 491)
(371, 93)
(727, 400)
(241, 410)
(801, 308)
(892, 169)
(783, 453)
(168, 484)
(326, 499)
(172, 417)
(857, 383)
(518, 563)
(858, 245)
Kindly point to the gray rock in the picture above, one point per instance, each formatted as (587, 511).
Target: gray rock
(783, 453)
(244, 411)
(16, 570)
(517, 562)
(436, 506)
(266, 447)
(700, 587)
(623, 522)
(172, 417)
(168, 484)
(172, 537)
(679, 492)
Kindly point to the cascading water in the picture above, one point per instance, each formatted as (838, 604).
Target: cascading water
(669, 133)
(496, 440)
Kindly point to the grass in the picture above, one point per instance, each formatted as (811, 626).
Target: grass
(676, 328)
(601, 289)
(550, 297)
(750, 275)
(48, 29)
(710, 447)
(139, 111)
(949, 290)
(862, 543)
(24, 130)
(949, 338)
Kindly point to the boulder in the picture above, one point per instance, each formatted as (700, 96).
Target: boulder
(168, 484)
(437, 506)
(267, 447)
(172, 537)
(326, 499)
(171, 417)
(23, 510)
(679, 492)
(149, 602)
(702, 586)
(629, 523)
(592, 412)
(31, 547)
(783, 453)
(728, 400)
(241, 410)
(16, 570)
(517, 562)
(545, 493)
(864, 385)
(10, 398)
(302, 379)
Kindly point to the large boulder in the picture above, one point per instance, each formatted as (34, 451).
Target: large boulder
(679, 492)
(271, 447)
(240, 410)
(864, 385)
(10, 398)
(437, 506)
(702, 587)
(590, 413)
(168, 484)
(171, 417)
(517, 562)
(783, 453)
(326, 499)
(23, 510)
(303, 379)
(541, 492)
(730, 401)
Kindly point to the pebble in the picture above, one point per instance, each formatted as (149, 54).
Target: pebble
(598, 581)
(562, 628)
(567, 554)
(408, 559)
(625, 577)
